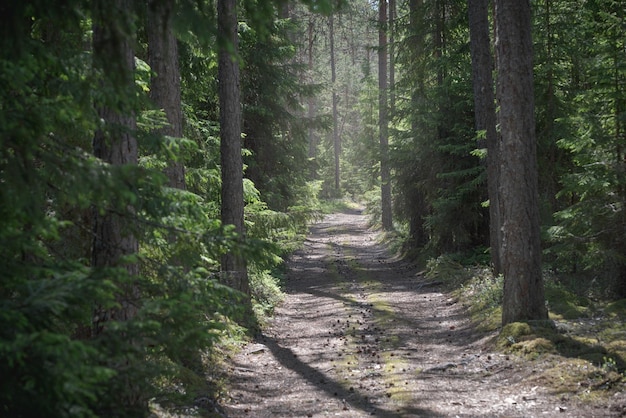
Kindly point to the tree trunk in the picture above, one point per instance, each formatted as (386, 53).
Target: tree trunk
(233, 266)
(336, 140)
(419, 210)
(523, 297)
(392, 65)
(311, 101)
(165, 85)
(383, 124)
(485, 114)
(114, 143)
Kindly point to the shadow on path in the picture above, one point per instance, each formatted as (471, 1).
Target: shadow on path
(353, 399)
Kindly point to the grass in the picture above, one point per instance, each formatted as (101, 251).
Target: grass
(266, 293)
(329, 206)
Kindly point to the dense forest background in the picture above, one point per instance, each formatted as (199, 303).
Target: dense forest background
(112, 224)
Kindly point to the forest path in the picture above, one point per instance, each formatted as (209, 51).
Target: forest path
(361, 333)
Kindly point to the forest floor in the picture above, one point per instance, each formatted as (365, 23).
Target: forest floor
(362, 333)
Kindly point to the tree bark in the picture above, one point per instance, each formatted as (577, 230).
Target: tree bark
(485, 114)
(523, 297)
(336, 139)
(115, 144)
(419, 210)
(392, 64)
(233, 265)
(311, 100)
(383, 123)
(165, 84)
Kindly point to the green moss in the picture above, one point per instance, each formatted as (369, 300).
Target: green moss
(618, 350)
(565, 377)
(512, 334)
(564, 304)
(579, 377)
(616, 309)
(516, 330)
(534, 347)
(447, 270)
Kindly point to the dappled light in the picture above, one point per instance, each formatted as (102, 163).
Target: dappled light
(363, 333)
(239, 208)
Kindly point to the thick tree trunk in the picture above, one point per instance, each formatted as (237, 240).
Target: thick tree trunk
(485, 114)
(521, 247)
(165, 84)
(383, 122)
(114, 143)
(234, 267)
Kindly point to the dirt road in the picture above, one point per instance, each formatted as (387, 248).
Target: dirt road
(363, 334)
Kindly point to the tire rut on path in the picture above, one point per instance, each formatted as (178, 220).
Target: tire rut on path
(363, 334)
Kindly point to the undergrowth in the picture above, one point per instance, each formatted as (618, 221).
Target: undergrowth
(266, 293)
(582, 347)
(328, 206)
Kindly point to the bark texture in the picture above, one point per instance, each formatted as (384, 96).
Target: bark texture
(383, 119)
(336, 140)
(311, 99)
(418, 233)
(165, 83)
(521, 247)
(485, 114)
(233, 266)
(114, 144)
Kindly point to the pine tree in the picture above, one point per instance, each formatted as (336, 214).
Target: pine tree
(165, 83)
(484, 109)
(383, 119)
(523, 297)
(233, 265)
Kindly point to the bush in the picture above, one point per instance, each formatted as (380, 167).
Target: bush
(266, 292)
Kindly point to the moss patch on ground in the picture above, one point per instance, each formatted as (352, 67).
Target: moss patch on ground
(567, 362)
(580, 350)
(565, 304)
(579, 377)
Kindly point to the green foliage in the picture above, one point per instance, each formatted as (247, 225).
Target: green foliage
(483, 293)
(587, 232)
(40, 360)
(447, 270)
(440, 182)
(52, 187)
(266, 292)
(372, 199)
(360, 159)
(563, 303)
(274, 133)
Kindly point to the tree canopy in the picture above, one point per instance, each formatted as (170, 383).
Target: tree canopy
(112, 198)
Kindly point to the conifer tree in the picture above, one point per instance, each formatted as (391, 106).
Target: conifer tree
(523, 297)
(233, 265)
(165, 82)
(485, 114)
(383, 119)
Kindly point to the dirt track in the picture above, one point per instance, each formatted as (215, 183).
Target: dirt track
(363, 334)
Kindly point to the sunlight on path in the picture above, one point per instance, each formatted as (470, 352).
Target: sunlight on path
(362, 334)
